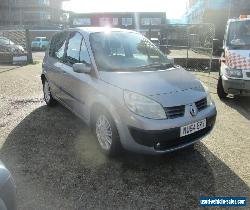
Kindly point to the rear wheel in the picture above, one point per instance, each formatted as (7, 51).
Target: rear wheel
(49, 100)
(107, 134)
(220, 90)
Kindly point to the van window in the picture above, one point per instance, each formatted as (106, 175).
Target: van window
(73, 49)
(57, 46)
(239, 34)
(84, 55)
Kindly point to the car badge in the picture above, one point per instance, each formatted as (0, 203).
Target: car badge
(193, 110)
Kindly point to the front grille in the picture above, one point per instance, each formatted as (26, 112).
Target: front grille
(248, 74)
(175, 111)
(201, 104)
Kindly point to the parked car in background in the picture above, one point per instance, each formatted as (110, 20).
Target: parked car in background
(7, 189)
(127, 90)
(40, 43)
(234, 77)
(6, 45)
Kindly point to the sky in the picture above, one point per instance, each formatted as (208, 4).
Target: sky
(173, 8)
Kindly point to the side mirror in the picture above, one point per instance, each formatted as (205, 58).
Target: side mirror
(81, 68)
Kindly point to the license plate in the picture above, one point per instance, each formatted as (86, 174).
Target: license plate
(192, 128)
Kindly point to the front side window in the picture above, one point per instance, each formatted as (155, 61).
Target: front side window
(125, 51)
(73, 49)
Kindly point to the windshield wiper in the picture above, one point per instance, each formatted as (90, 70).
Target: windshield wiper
(157, 65)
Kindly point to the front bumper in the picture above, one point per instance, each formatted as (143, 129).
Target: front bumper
(145, 138)
(236, 86)
(169, 139)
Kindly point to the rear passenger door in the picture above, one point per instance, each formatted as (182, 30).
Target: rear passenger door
(53, 63)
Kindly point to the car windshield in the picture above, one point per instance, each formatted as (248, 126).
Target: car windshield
(239, 34)
(37, 39)
(126, 51)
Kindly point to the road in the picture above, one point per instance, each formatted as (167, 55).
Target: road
(56, 162)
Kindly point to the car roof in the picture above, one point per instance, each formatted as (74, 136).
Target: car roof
(90, 30)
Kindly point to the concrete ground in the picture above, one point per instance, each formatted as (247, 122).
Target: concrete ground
(56, 162)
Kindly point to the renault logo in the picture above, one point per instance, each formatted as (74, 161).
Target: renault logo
(193, 110)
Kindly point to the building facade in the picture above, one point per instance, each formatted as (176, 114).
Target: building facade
(148, 23)
(31, 12)
(216, 12)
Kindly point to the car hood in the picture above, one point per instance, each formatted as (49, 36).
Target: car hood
(176, 83)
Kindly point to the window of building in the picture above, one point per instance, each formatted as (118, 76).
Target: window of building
(155, 21)
(44, 2)
(82, 22)
(73, 49)
(127, 21)
(45, 16)
(150, 21)
(145, 21)
(115, 21)
(103, 21)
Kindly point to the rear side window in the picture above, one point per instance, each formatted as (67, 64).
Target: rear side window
(57, 46)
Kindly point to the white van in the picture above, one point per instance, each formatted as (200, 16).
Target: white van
(235, 61)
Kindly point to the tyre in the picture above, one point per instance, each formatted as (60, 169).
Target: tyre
(107, 134)
(220, 90)
(49, 100)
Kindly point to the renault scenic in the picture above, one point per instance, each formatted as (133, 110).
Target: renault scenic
(126, 90)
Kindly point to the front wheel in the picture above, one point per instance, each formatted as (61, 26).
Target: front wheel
(107, 134)
(49, 100)
(220, 90)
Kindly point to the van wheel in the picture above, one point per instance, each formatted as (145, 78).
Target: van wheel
(107, 134)
(49, 100)
(220, 90)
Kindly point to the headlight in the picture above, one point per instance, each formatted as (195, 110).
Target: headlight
(237, 73)
(144, 106)
(209, 99)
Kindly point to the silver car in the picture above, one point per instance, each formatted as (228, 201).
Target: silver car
(7, 189)
(130, 93)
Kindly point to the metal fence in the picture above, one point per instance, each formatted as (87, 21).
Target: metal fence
(21, 36)
(191, 46)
